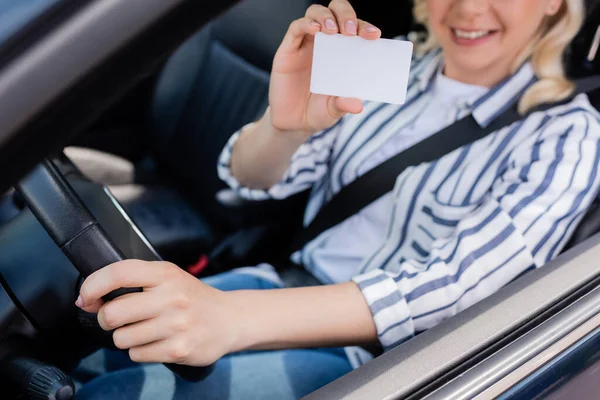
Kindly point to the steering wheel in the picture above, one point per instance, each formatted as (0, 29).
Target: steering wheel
(78, 234)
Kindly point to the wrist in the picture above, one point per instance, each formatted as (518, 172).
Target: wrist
(241, 323)
(296, 136)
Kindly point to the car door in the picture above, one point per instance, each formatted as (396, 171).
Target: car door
(501, 347)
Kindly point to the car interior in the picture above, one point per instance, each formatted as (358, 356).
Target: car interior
(152, 158)
(157, 150)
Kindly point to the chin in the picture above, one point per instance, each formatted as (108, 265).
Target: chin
(471, 64)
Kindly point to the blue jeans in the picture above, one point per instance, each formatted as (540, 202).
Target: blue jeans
(281, 375)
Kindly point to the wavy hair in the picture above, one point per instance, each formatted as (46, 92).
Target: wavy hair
(546, 52)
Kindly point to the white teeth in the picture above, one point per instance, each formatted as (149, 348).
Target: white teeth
(470, 34)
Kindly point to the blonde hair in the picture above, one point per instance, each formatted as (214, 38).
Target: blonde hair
(546, 51)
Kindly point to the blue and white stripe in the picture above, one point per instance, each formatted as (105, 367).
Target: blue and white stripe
(465, 225)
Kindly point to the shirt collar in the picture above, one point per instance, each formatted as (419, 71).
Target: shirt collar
(427, 75)
(503, 96)
(496, 100)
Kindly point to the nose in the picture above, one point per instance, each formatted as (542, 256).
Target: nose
(471, 8)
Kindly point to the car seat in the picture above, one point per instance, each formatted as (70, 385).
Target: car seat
(216, 82)
(584, 60)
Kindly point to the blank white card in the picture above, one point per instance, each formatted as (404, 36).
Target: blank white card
(350, 66)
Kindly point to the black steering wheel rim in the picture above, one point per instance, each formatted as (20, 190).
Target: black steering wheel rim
(78, 234)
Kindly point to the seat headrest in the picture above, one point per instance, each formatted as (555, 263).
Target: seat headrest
(253, 29)
(584, 56)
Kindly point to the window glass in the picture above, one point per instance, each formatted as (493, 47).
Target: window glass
(573, 374)
(15, 14)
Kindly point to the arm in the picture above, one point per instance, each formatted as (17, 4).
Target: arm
(334, 315)
(263, 153)
(261, 162)
(179, 319)
(261, 165)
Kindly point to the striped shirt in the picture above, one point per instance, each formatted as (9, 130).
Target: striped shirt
(460, 227)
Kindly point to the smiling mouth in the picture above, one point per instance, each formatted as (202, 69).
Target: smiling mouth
(472, 34)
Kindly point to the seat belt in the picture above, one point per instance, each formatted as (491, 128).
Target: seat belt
(381, 180)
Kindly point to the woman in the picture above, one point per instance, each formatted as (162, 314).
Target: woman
(452, 232)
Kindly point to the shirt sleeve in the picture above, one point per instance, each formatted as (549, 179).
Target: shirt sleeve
(307, 166)
(528, 217)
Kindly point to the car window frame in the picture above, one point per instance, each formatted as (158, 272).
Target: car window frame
(37, 27)
(439, 356)
(528, 354)
(571, 369)
(60, 82)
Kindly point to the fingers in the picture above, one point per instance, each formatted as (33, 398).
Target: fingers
(140, 334)
(345, 17)
(169, 351)
(151, 330)
(129, 273)
(368, 31)
(324, 16)
(340, 17)
(92, 308)
(339, 106)
(297, 31)
(129, 309)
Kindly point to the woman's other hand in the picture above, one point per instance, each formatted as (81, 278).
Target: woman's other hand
(176, 319)
(293, 106)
